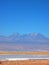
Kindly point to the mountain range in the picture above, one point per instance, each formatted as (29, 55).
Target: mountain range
(25, 42)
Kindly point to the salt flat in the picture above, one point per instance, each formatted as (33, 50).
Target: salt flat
(23, 57)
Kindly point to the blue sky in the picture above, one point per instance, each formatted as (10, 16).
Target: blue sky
(24, 16)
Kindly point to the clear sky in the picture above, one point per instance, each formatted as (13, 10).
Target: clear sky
(24, 16)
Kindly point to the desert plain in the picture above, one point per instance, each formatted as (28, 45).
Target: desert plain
(32, 53)
(25, 62)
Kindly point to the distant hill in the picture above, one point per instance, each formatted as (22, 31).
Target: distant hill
(25, 42)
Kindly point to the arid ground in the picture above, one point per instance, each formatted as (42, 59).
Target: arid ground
(25, 62)
(36, 53)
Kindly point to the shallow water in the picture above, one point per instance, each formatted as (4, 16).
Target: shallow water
(24, 56)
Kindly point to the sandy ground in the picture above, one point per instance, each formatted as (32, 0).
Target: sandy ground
(25, 62)
(36, 53)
